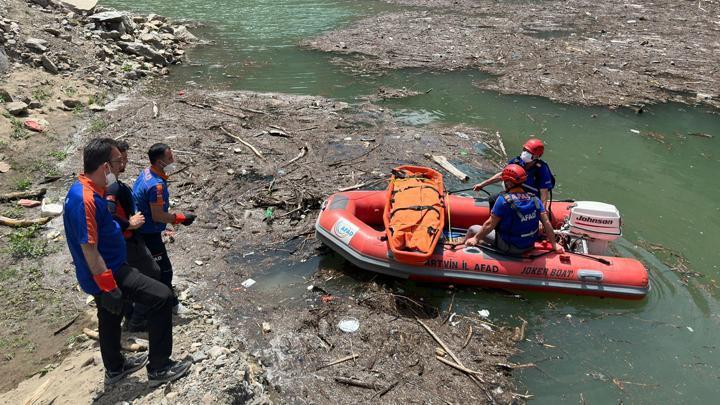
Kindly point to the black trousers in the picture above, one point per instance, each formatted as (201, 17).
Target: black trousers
(139, 257)
(155, 244)
(138, 288)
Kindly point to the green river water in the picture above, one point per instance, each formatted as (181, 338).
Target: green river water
(660, 350)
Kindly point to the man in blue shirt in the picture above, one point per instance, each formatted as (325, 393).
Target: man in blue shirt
(98, 250)
(513, 225)
(122, 207)
(152, 199)
(540, 179)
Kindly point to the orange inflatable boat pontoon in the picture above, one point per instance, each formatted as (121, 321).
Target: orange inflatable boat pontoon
(353, 224)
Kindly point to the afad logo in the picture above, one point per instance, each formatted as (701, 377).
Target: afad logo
(345, 230)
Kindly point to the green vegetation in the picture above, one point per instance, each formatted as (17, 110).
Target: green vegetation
(70, 91)
(40, 94)
(59, 155)
(23, 184)
(14, 212)
(25, 243)
(97, 125)
(18, 130)
(45, 168)
(78, 109)
(126, 67)
(8, 273)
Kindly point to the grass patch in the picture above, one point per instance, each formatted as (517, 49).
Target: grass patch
(23, 184)
(25, 243)
(8, 273)
(18, 130)
(14, 212)
(97, 125)
(59, 155)
(40, 94)
(70, 91)
(45, 168)
(126, 67)
(78, 109)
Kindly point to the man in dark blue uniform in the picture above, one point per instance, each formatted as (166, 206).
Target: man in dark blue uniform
(122, 207)
(99, 254)
(513, 225)
(540, 180)
(152, 199)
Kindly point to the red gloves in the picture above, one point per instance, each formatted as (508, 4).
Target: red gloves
(105, 281)
(185, 218)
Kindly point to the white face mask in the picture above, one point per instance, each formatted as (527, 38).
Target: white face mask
(110, 179)
(170, 168)
(526, 156)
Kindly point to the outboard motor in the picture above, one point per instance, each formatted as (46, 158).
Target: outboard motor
(591, 226)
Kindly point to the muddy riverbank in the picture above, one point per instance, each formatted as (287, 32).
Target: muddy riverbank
(582, 52)
(255, 168)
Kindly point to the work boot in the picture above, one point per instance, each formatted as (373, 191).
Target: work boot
(131, 365)
(181, 309)
(171, 372)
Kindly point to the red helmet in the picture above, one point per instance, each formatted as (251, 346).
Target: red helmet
(534, 146)
(514, 174)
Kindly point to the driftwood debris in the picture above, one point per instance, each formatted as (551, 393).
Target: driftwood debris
(22, 194)
(355, 159)
(303, 152)
(473, 377)
(501, 144)
(338, 361)
(457, 366)
(358, 383)
(363, 184)
(32, 399)
(67, 325)
(22, 223)
(242, 141)
(218, 109)
(701, 135)
(445, 164)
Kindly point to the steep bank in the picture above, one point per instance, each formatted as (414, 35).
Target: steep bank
(583, 52)
(59, 67)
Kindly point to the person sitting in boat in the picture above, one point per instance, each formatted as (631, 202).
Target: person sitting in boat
(513, 225)
(540, 180)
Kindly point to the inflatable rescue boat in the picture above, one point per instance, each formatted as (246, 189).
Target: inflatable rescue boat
(354, 224)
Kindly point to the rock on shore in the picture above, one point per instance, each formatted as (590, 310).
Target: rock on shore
(96, 44)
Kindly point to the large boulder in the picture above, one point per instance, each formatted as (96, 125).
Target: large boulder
(152, 38)
(4, 62)
(146, 51)
(80, 5)
(49, 65)
(16, 108)
(107, 17)
(183, 35)
(36, 44)
(41, 3)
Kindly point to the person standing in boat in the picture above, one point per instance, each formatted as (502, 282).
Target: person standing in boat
(513, 225)
(540, 180)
